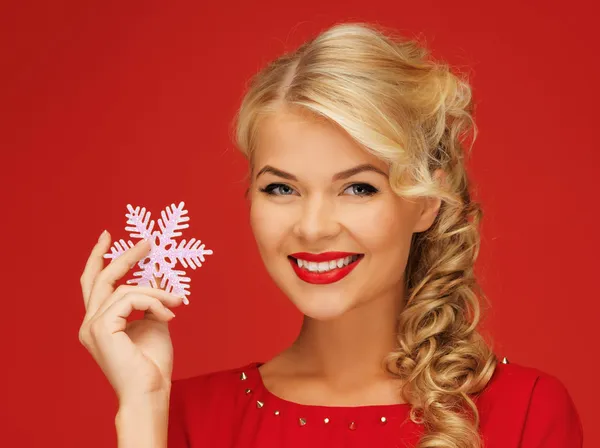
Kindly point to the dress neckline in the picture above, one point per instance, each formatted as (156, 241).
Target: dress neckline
(379, 410)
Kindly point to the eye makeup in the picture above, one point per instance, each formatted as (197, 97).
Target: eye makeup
(280, 189)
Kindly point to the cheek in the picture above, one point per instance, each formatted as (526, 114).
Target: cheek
(268, 226)
(384, 229)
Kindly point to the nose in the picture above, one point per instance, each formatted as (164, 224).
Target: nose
(317, 220)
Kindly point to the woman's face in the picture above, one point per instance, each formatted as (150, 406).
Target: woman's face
(331, 232)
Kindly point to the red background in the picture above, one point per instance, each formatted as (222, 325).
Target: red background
(108, 104)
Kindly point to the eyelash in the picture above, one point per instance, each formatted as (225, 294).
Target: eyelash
(270, 189)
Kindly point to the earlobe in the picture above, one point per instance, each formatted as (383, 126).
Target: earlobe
(429, 211)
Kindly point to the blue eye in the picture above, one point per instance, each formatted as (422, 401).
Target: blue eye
(278, 190)
(362, 190)
(359, 189)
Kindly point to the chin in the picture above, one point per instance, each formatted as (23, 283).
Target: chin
(321, 305)
(319, 299)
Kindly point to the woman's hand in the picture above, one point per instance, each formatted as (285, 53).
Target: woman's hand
(136, 357)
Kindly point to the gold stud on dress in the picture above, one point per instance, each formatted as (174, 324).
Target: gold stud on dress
(259, 404)
(383, 420)
(352, 426)
(243, 376)
(326, 420)
(276, 412)
(302, 421)
(248, 391)
(505, 360)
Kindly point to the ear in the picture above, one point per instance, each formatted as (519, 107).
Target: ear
(430, 206)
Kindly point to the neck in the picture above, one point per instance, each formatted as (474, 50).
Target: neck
(351, 347)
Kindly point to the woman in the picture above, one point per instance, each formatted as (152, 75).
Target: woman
(361, 211)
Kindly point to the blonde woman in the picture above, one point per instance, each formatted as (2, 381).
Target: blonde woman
(361, 211)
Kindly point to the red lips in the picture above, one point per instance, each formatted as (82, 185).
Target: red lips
(323, 278)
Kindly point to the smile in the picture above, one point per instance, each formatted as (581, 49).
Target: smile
(323, 268)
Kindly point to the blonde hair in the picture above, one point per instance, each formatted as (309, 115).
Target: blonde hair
(398, 103)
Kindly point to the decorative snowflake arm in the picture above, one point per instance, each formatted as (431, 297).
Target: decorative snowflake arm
(172, 219)
(164, 252)
(139, 220)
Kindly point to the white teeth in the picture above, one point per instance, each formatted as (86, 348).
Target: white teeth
(325, 266)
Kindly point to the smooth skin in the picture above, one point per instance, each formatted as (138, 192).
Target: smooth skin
(320, 203)
(136, 357)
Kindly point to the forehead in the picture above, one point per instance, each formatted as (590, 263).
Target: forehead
(301, 142)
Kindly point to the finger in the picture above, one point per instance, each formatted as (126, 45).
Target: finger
(114, 319)
(104, 283)
(94, 265)
(158, 281)
(168, 299)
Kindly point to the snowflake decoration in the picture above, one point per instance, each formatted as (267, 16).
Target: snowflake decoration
(164, 251)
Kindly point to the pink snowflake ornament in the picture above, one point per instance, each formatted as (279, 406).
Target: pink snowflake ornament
(164, 252)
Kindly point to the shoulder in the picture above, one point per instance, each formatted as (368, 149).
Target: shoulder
(204, 408)
(518, 385)
(511, 385)
(216, 378)
(201, 389)
(536, 404)
(552, 418)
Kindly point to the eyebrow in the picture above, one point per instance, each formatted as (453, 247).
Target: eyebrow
(338, 176)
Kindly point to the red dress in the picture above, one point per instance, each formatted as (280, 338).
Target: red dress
(520, 407)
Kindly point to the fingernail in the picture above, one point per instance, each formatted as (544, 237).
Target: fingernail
(170, 312)
(104, 232)
(186, 301)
